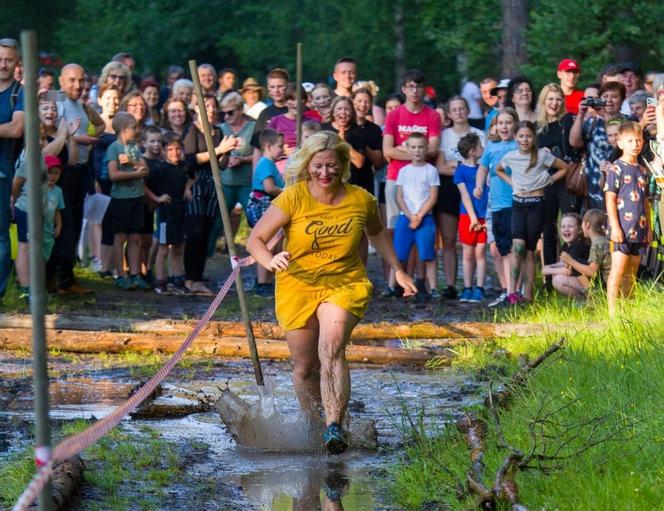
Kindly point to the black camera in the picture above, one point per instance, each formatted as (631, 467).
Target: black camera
(594, 102)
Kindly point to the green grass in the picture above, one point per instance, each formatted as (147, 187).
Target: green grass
(597, 405)
(124, 469)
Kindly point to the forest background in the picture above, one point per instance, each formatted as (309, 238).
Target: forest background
(450, 41)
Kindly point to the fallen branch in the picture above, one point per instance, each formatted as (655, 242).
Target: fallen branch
(66, 480)
(504, 489)
(501, 397)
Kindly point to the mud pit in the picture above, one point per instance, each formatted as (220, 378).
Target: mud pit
(236, 477)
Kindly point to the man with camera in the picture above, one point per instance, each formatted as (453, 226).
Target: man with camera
(11, 133)
(589, 133)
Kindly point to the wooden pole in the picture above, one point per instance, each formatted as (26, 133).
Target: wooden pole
(226, 220)
(300, 103)
(35, 183)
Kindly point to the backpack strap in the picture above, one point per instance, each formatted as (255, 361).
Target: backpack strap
(16, 90)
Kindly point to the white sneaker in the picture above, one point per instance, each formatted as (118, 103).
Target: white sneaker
(498, 301)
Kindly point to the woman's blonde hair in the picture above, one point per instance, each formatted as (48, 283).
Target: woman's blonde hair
(542, 122)
(120, 69)
(296, 169)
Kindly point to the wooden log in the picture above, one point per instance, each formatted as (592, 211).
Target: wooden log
(66, 480)
(268, 330)
(114, 342)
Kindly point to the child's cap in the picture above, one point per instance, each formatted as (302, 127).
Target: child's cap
(52, 161)
(569, 65)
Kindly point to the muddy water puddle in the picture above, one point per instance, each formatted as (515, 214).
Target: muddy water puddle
(251, 479)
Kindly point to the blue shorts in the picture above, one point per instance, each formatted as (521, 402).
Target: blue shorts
(21, 218)
(424, 237)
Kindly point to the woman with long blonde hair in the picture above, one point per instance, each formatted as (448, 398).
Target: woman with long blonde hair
(553, 129)
(322, 289)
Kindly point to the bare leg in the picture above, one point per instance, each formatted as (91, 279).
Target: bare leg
(480, 263)
(448, 227)
(177, 260)
(517, 256)
(118, 252)
(528, 275)
(303, 346)
(23, 264)
(160, 262)
(336, 325)
(468, 264)
(499, 265)
(629, 280)
(569, 286)
(619, 262)
(134, 253)
(430, 269)
(146, 244)
(107, 257)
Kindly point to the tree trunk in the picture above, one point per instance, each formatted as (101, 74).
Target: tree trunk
(399, 45)
(515, 22)
(77, 341)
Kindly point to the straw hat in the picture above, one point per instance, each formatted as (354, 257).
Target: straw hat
(251, 84)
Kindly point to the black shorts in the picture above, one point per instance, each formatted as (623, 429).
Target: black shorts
(528, 220)
(628, 248)
(449, 198)
(381, 192)
(501, 228)
(171, 227)
(148, 220)
(128, 215)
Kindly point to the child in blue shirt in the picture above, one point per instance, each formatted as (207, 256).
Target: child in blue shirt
(500, 194)
(472, 219)
(266, 184)
(52, 203)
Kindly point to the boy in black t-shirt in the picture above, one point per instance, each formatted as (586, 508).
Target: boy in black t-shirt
(171, 187)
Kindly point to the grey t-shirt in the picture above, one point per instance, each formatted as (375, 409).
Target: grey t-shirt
(72, 110)
(131, 188)
(525, 178)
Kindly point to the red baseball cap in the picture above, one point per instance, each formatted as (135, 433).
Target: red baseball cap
(569, 65)
(52, 161)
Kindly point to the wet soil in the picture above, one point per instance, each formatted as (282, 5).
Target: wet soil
(216, 473)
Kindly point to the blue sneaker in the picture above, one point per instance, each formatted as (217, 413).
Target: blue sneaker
(139, 283)
(335, 439)
(466, 295)
(477, 296)
(125, 283)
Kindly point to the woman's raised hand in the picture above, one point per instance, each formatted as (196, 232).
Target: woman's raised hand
(227, 144)
(406, 282)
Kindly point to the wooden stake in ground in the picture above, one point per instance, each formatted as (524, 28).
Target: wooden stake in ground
(226, 220)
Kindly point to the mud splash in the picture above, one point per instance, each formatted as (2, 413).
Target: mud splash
(259, 425)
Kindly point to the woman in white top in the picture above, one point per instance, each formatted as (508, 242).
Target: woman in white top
(449, 199)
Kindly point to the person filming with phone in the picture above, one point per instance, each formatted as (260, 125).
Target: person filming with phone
(589, 133)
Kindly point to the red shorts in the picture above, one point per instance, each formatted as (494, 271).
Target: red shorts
(468, 237)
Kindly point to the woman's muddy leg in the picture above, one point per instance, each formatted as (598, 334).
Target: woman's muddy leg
(303, 346)
(336, 325)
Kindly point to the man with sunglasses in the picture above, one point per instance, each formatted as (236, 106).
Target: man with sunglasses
(11, 132)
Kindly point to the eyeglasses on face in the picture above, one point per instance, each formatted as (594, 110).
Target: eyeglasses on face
(413, 86)
(116, 77)
(229, 112)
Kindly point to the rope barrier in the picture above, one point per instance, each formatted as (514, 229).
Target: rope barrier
(75, 444)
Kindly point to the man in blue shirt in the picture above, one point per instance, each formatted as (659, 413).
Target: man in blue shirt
(11, 133)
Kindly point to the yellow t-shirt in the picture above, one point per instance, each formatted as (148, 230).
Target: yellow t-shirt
(325, 264)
